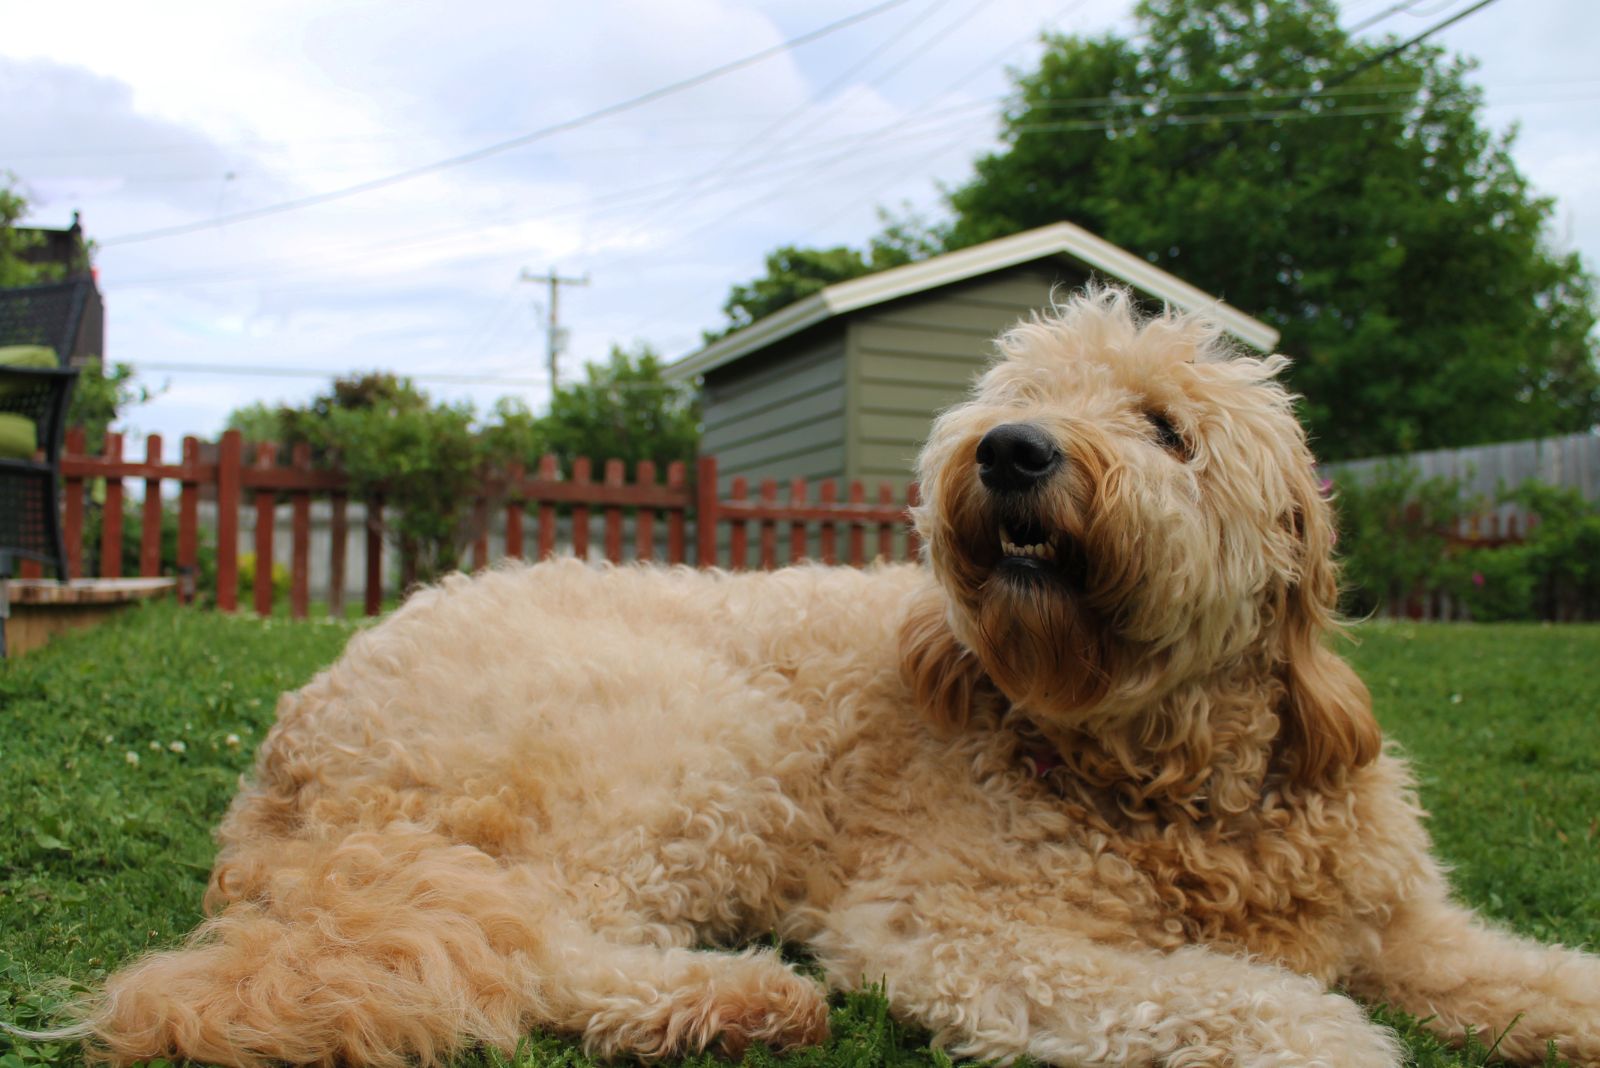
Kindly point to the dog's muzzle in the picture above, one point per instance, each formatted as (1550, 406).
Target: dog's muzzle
(1016, 457)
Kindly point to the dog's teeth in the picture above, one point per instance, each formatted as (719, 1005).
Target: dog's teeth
(1041, 550)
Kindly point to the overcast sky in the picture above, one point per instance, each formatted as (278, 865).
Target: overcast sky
(147, 116)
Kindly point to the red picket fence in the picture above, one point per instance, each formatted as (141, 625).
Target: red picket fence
(261, 486)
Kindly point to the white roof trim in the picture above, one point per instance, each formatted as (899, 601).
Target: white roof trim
(1061, 238)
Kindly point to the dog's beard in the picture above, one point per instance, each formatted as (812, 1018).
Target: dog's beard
(1040, 644)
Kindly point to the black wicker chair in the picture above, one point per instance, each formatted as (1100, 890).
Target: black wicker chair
(30, 485)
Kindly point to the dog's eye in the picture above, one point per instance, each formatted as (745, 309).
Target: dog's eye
(1168, 436)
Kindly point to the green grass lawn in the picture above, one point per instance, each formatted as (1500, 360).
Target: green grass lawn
(119, 750)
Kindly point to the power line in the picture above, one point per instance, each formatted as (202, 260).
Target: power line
(983, 67)
(694, 185)
(514, 142)
(1373, 20)
(323, 372)
(832, 151)
(1390, 53)
(442, 378)
(869, 138)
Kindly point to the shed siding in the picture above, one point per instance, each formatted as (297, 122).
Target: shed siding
(780, 414)
(911, 359)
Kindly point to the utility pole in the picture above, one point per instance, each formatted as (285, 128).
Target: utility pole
(555, 336)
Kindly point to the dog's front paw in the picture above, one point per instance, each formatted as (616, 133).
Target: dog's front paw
(783, 1014)
(732, 1000)
(1327, 1031)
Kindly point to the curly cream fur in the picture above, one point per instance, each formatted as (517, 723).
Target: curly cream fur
(528, 797)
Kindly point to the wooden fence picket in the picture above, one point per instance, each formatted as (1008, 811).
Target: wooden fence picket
(830, 530)
(549, 471)
(514, 511)
(188, 561)
(885, 528)
(338, 533)
(858, 533)
(372, 602)
(111, 514)
(150, 511)
(230, 452)
(797, 527)
(72, 489)
(676, 473)
(266, 501)
(613, 513)
(739, 527)
(707, 505)
(644, 519)
(581, 472)
(300, 539)
(769, 526)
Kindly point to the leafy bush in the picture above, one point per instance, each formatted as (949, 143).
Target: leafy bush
(98, 395)
(1562, 550)
(1493, 584)
(1394, 533)
(247, 580)
(424, 463)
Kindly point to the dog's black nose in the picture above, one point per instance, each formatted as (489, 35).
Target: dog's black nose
(1016, 456)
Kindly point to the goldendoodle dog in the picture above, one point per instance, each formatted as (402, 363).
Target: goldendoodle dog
(1087, 786)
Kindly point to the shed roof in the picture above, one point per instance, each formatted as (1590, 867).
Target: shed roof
(1057, 239)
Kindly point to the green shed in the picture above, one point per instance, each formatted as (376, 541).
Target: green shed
(845, 383)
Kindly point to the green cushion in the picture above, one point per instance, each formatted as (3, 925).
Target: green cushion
(28, 356)
(24, 356)
(18, 437)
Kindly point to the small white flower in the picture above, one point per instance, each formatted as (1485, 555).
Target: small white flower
(109, 739)
(231, 741)
(178, 747)
(1455, 699)
(131, 757)
(155, 747)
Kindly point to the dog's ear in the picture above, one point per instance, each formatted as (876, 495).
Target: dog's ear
(1328, 726)
(944, 677)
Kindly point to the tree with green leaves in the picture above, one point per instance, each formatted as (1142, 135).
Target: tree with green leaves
(15, 242)
(623, 409)
(99, 396)
(1349, 194)
(796, 273)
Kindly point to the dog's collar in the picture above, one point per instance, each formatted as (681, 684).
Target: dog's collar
(1040, 757)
